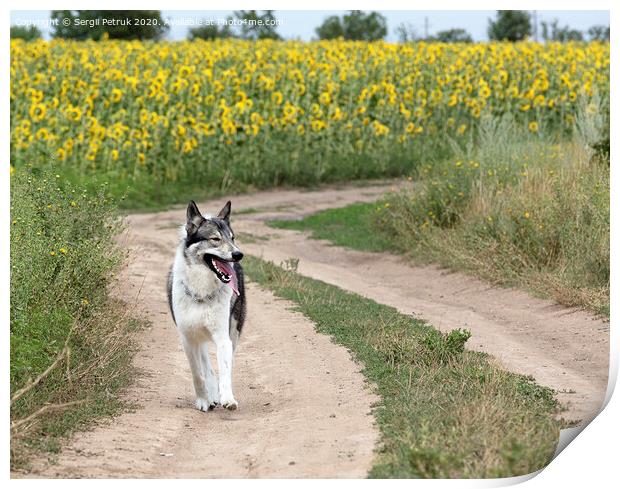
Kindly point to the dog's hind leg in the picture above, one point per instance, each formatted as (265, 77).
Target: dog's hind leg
(224, 364)
(213, 390)
(194, 355)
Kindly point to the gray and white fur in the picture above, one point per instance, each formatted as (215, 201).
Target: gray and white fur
(207, 300)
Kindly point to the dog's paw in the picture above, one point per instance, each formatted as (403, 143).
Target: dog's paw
(204, 405)
(230, 404)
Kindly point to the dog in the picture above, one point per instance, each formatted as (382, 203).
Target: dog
(207, 300)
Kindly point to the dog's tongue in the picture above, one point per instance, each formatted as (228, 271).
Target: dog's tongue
(228, 269)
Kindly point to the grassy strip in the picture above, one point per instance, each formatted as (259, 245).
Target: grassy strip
(518, 210)
(351, 226)
(445, 412)
(71, 343)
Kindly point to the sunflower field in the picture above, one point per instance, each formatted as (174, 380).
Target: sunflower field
(232, 113)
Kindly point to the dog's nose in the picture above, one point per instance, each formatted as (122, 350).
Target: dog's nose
(237, 255)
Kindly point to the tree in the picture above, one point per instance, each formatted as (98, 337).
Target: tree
(26, 33)
(510, 25)
(406, 32)
(560, 34)
(331, 28)
(598, 33)
(354, 26)
(257, 26)
(211, 31)
(452, 35)
(118, 24)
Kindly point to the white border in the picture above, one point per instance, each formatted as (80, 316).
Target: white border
(590, 460)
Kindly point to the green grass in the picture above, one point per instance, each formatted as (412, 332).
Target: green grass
(444, 411)
(65, 329)
(351, 226)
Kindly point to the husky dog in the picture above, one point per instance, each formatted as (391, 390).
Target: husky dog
(207, 301)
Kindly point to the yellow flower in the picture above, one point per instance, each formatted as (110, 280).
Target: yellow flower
(37, 112)
(526, 215)
(52, 253)
(318, 125)
(276, 98)
(12, 170)
(533, 126)
(73, 114)
(63, 251)
(116, 95)
(42, 134)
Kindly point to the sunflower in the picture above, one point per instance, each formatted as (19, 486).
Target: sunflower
(116, 95)
(37, 112)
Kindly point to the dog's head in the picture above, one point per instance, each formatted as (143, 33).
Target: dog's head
(211, 240)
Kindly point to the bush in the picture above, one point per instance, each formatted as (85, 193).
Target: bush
(518, 209)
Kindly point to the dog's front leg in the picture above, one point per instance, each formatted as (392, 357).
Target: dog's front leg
(213, 391)
(193, 352)
(225, 364)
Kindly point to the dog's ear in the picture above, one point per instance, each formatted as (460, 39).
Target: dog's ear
(225, 212)
(194, 218)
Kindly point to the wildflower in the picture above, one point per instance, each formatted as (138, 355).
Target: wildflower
(533, 126)
(526, 215)
(63, 251)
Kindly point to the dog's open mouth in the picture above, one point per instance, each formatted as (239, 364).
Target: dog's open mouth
(223, 270)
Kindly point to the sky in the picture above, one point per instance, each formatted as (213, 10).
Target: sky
(301, 24)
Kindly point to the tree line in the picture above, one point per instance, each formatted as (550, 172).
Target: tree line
(508, 25)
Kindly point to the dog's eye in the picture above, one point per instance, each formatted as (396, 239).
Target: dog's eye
(215, 238)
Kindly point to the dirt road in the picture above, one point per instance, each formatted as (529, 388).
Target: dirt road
(303, 403)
